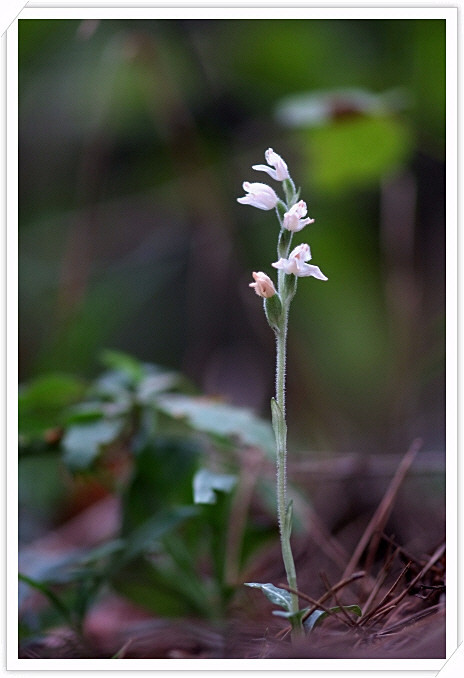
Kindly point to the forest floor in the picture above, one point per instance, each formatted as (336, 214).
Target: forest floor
(392, 565)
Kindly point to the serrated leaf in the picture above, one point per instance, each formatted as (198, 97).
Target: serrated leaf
(277, 596)
(206, 484)
(219, 419)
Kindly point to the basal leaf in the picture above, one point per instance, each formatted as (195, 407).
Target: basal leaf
(318, 616)
(277, 596)
(314, 618)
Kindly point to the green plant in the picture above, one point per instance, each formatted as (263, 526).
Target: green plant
(291, 265)
(170, 457)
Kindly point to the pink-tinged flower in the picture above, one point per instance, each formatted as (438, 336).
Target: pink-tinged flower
(264, 287)
(259, 195)
(293, 219)
(296, 263)
(280, 172)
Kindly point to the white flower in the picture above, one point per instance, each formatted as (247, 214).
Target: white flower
(296, 263)
(293, 219)
(264, 287)
(280, 172)
(259, 195)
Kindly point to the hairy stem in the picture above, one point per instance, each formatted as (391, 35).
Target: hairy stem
(280, 431)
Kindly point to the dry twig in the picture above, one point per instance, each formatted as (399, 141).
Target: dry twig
(380, 517)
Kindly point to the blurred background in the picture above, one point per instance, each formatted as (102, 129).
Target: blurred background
(135, 138)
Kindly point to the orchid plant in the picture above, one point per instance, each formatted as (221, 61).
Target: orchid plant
(291, 265)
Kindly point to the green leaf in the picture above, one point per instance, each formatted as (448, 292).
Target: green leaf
(278, 421)
(357, 152)
(291, 616)
(273, 311)
(122, 362)
(42, 402)
(289, 517)
(314, 618)
(318, 616)
(161, 479)
(206, 484)
(86, 412)
(40, 487)
(275, 411)
(145, 537)
(349, 608)
(112, 386)
(82, 443)
(53, 599)
(147, 586)
(218, 419)
(154, 383)
(274, 594)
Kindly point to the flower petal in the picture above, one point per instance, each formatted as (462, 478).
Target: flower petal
(306, 270)
(274, 159)
(259, 195)
(264, 168)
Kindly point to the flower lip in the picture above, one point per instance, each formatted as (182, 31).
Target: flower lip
(263, 285)
(280, 171)
(259, 195)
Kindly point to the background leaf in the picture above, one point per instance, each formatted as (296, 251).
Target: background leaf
(224, 421)
(82, 443)
(43, 402)
(206, 484)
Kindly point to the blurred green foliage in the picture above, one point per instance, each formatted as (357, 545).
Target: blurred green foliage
(140, 436)
(135, 136)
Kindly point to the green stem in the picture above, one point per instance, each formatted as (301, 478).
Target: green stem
(280, 430)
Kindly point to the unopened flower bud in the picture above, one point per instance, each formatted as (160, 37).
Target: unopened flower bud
(264, 287)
